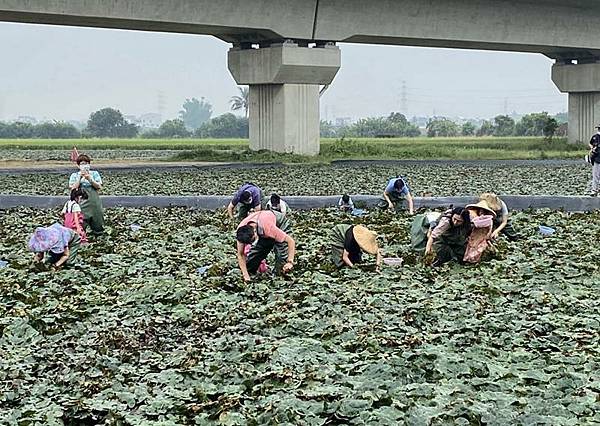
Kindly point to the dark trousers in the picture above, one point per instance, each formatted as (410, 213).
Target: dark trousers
(446, 252)
(398, 202)
(261, 250)
(508, 230)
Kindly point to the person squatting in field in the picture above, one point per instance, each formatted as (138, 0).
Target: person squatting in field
(421, 230)
(348, 242)
(449, 237)
(266, 231)
(275, 203)
(248, 197)
(57, 243)
(479, 239)
(502, 222)
(394, 194)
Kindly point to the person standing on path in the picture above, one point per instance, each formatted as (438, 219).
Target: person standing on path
(395, 192)
(249, 197)
(265, 230)
(90, 182)
(595, 160)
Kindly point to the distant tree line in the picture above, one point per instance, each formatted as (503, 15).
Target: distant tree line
(534, 124)
(228, 126)
(195, 121)
(52, 130)
(396, 125)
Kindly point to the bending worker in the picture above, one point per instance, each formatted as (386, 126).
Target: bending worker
(349, 241)
(395, 192)
(265, 230)
(248, 197)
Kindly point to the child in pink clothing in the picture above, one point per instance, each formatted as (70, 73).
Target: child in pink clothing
(73, 217)
(262, 268)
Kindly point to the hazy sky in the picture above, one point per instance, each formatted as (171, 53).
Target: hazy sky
(66, 73)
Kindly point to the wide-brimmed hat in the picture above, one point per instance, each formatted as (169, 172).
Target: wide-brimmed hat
(367, 240)
(492, 200)
(482, 204)
(45, 239)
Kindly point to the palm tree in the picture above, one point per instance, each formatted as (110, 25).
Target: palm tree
(240, 102)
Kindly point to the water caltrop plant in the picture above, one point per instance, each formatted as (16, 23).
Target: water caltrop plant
(154, 326)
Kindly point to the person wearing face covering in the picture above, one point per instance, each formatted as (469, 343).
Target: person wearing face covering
(595, 160)
(247, 199)
(90, 182)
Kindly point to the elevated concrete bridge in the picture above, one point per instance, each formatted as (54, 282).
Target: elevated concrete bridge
(285, 49)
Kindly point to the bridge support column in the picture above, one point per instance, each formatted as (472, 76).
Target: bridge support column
(283, 100)
(582, 83)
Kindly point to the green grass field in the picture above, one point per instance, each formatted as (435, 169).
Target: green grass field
(488, 148)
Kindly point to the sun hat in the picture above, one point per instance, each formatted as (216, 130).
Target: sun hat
(492, 200)
(367, 240)
(45, 239)
(482, 204)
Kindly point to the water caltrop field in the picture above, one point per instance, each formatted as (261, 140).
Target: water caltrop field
(137, 334)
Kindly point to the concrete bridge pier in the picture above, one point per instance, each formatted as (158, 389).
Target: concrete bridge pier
(582, 83)
(284, 81)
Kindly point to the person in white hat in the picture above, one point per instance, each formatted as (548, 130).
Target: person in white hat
(348, 242)
(594, 157)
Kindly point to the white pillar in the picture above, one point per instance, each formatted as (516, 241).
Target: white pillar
(284, 84)
(582, 83)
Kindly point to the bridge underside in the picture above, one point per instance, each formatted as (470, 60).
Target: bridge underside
(555, 28)
(565, 31)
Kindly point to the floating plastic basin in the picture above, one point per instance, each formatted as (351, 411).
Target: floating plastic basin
(393, 261)
(546, 230)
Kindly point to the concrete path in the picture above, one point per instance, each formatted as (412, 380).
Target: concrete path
(209, 202)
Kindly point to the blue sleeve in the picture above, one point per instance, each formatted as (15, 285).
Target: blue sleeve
(406, 189)
(73, 178)
(390, 186)
(236, 198)
(96, 176)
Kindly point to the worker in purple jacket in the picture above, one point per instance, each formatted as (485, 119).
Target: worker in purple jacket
(248, 197)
